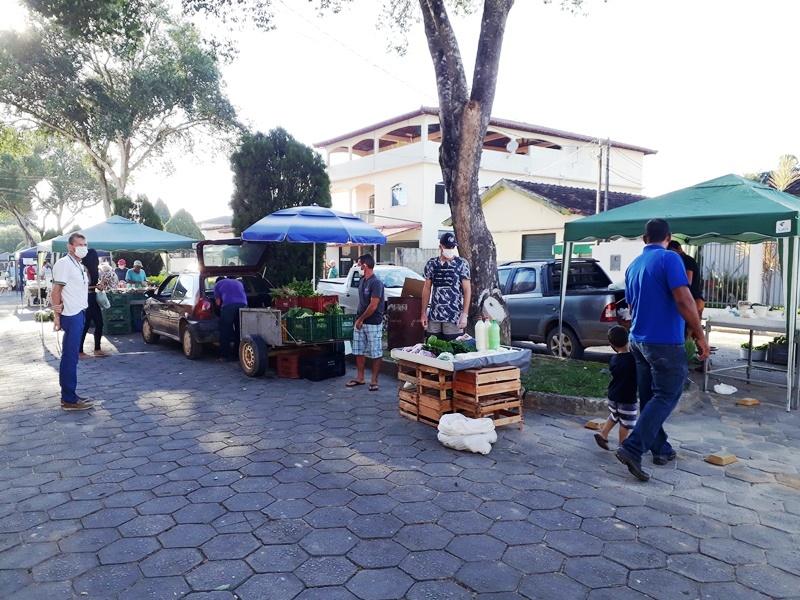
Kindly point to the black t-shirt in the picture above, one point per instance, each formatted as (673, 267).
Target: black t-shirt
(622, 387)
(367, 290)
(691, 266)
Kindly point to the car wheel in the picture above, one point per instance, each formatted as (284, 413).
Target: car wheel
(570, 344)
(148, 335)
(253, 356)
(192, 349)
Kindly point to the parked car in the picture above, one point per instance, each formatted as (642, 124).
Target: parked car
(346, 288)
(183, 307)
(531, 290)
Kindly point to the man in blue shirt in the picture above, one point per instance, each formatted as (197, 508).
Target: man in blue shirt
(657, 290)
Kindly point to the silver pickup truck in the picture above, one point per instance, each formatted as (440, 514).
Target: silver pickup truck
(532, 290)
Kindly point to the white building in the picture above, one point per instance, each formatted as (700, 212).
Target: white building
(389, 172)
(218, 228)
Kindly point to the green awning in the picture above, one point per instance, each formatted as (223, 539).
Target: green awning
(729, 208)
(119, 233)
(577, 249)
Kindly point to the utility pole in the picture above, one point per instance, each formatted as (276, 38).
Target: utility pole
(599, 177)
(608, 171)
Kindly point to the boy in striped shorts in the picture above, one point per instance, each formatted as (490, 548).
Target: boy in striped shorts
(623, 407)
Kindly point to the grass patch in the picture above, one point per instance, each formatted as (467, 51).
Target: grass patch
(566, 377)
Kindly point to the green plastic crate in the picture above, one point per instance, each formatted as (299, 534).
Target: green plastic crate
(342, 326)
(308, 329)
(118, 299)
(117, 314)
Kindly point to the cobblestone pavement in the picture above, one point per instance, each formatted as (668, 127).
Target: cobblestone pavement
(192, 481)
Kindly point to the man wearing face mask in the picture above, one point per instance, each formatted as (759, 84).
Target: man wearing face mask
(447, 286)
(70, 301)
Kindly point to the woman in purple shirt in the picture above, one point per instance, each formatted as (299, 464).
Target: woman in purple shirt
(230, 296)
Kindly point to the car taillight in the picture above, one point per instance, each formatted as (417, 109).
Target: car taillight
(609, 314)
(202, 310)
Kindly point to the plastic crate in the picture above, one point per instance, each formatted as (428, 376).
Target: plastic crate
(308, 329)
(117, 299)
(120, 314)
(322, 366)
(136, 317)
(284, 304)
(317, 303)
(342, 326)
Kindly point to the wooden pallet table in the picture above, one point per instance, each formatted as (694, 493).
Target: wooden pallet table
(425, 393)
(494, 392)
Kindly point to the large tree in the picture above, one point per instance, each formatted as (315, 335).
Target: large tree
(183, 223)
(274, 171)
(162, 210)
(122, 98)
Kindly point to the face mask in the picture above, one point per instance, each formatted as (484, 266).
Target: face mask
(81, 251)
(449, 252)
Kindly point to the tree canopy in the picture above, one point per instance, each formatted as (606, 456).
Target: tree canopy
(162, 210)
(182, 223)
(122, 99)
(271, 172)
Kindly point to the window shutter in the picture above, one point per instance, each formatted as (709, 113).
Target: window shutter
(538, 246)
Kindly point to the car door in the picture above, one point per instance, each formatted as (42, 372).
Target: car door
(182, 303)
(524, 301)
(351, 292)
(157, 305)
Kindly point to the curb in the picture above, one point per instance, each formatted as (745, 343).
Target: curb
(575, 405)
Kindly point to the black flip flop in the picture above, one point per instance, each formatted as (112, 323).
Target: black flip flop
(374, 387)
(601, 441)
(354, 383)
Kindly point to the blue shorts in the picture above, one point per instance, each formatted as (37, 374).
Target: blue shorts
(368, 341)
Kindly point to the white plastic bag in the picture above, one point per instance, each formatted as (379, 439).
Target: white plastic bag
(478, 442)
(102, 299)
(458, 424)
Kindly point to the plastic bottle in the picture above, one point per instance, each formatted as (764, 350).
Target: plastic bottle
(481, 335)
(494, 335)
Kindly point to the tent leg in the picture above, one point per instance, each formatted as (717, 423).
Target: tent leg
(791, 255)
(314, 268)
(565, 258)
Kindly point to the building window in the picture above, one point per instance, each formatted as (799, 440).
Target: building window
(398, 195)
(440, 195)
(371, 205)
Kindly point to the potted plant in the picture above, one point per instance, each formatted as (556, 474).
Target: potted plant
(760, 352)
(744, 350)
(778, 353)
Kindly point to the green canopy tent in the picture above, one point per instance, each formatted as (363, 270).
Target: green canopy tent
(727, 209)
(119, 233)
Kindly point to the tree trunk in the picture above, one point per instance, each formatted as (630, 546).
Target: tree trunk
(25, 226)
(464, 117)
(105, 190)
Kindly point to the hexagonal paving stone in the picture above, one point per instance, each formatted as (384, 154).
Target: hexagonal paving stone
(284, 531)
(762, 537)
(589, 507)
(25, 556)
(277, 559)
(473, 548)
(326, 570)
(635, 555)
(332, 497)
(609, 529)
(731, 551)
(662, 584)
(551, 585)
(376, 554)
(171, 561)
(375, 526)
(380, 584)
(489, 577)
(768, 580)
(230, 546)
(465, 522)
(329, 541)
(36, 591)
(787, 560)
(701, 527)
(618, 593)
(247, 501)
(375, 504)
(554, 519)
(270, 586)
(517, 533)
(162, 506)
(64, 566)
(186, 536)
(326, 593)
(106, 581)
(11, 581)
(502, 510)
(146, 525)
(156, 589)
(433, 564)
(700, 568)
(536, 558)
(88, 540)
(574, 543)
(643, 516)
(205, 512)
(127, 550)
(218, 574)
(288, 509)
(596, 572)
(668, 540)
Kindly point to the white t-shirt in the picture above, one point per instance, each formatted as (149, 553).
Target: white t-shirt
(71, 274)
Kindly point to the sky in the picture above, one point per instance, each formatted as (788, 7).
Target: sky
(708, 84)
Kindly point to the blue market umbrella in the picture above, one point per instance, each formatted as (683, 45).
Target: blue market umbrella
(313, 225)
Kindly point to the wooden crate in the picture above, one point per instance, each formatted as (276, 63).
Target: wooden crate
(495, 393)
(424, 393)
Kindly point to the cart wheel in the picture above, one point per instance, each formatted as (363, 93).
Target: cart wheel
(253, 356)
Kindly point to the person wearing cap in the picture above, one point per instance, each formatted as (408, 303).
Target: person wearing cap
(121, 271)
(657, 290)
(136, 276)
(447, 290)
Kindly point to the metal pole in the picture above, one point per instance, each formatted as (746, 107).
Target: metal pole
(314, 270)
(791, 321)
(608, 170)
(562, 300)
(599, 177)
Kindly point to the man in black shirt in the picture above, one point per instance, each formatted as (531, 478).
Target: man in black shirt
(693, 273)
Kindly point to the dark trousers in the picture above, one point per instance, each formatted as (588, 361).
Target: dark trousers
(70, 346)
(229, 330)
(661, 370)
(93, 316)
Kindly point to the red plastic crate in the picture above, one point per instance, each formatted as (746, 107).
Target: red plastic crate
(284, 304)
(317, 303)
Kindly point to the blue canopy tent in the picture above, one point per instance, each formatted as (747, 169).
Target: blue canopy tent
(313, 225)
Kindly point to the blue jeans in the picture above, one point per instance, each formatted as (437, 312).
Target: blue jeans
(70, 346)
(661, 370)
(229, 330)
